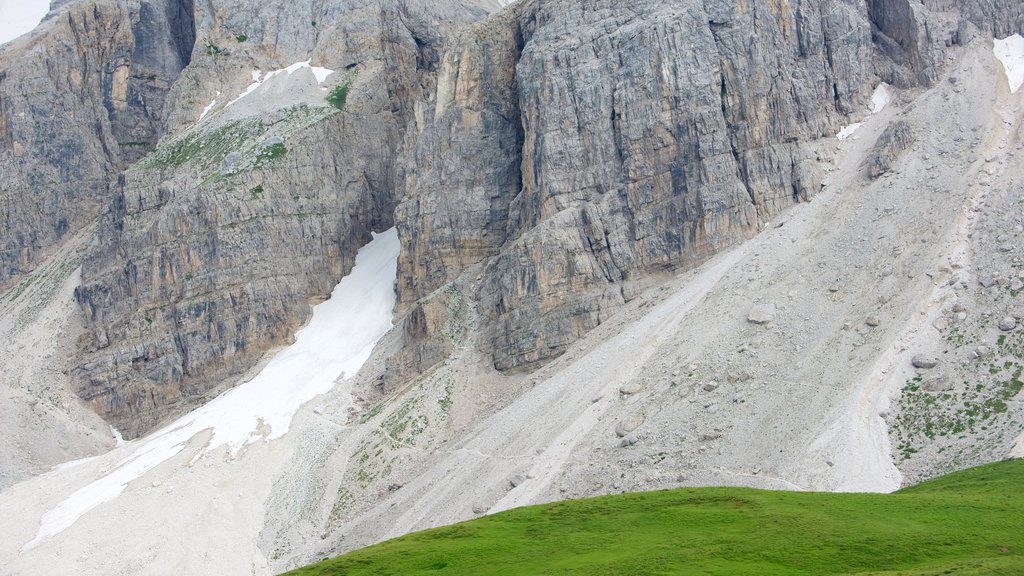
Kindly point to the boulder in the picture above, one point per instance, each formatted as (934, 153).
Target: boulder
(924, 361)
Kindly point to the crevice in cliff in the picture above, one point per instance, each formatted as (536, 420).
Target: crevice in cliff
(181, 17)
(741, 167)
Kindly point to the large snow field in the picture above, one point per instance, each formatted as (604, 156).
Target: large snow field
(334, 345)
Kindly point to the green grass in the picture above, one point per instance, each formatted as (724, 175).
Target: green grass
(966, 523)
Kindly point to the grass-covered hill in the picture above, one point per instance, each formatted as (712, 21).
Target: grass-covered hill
(966, 523)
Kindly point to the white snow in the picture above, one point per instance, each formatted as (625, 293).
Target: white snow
(334, 345)
(19, 17)
(209, 106)
(848, 131)
(880, 98)
(258, 79)
(118, 438)
(1010, 51)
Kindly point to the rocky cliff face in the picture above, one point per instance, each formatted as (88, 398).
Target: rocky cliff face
(565, 152)
(80, 98)
(580, 148)
(584, 147)
(215, 244)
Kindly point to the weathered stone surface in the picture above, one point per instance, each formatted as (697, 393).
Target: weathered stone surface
(462, 166)
(937, 383)
(579, 148)
(629, 424)
(761, 313)
(893, 142)
(925, 361)
(585, 147)
(80, 98)
(204, 264)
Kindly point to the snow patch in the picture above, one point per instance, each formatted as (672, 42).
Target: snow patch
(18, 17)
(1010, 51)
(334, 345)
(848, 131)
(258, 79)
(880, 98)
(209, 106)
(118, 438)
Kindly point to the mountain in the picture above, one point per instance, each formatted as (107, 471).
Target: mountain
(632, 255)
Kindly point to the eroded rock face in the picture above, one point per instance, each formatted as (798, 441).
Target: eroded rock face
(569, 150)
(80, 98)
(579, 148)
(621, 142)
(214, 245)
(890, 146)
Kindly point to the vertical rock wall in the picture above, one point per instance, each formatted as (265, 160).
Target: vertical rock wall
(80, 98)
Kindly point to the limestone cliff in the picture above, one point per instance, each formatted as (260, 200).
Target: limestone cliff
(213, 246)
(578, 148)
(566, 152)
(80, 98)
(587, 146)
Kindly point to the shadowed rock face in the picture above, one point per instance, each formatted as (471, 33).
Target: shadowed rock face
(164, 38)
(79, 100)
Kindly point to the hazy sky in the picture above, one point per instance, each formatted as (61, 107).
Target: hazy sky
(20, 16)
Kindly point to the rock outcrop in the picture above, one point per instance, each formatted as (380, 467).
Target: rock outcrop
(565, 152)
(585, 147)
(578, 148)
(215, 244)
(80, 98)
(893, 142)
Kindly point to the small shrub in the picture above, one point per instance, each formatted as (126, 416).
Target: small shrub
(241, 38)
(338, 95)
(214, 50)
(273, 152)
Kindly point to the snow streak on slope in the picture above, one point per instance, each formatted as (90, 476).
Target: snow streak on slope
(1010, 51)
(335, 344)
(258, 79)
(880, 98)
(19, 17)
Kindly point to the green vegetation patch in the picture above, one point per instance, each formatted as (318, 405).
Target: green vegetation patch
(201, 147)
(338, 95)
(243, 143)
(215, 50)
(272, 152)
(970, 522)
